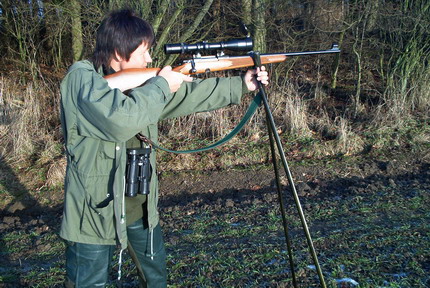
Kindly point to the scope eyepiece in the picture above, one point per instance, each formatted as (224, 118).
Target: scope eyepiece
(244, 44)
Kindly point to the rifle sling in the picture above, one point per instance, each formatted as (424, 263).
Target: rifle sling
(249, 113)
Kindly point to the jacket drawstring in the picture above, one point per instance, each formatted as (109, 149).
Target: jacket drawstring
(122, 222)
(152, 244)
(120, 265)
(123, 202)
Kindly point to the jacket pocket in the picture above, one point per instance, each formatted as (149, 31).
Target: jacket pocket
(107, 149)
(97, 222)
(104, 160)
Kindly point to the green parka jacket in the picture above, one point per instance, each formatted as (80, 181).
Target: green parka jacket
(97, 121)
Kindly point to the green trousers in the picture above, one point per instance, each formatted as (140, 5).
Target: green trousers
(88, 265)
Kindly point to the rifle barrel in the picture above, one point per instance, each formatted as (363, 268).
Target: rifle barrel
(334, 49)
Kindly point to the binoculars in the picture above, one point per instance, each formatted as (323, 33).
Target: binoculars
(138, 172)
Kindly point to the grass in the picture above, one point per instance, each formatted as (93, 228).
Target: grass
(35, 259)
(374, 253)
(376, 239)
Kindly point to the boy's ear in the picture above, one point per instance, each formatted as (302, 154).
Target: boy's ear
(117, 57)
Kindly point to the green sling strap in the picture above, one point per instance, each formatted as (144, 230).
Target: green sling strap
(251, 110)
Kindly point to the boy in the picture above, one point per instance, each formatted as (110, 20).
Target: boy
(99, 124)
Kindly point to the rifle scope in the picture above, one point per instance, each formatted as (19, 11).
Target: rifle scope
(244, 44)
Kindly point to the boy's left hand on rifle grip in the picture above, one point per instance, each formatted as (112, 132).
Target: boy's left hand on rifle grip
(254, 75)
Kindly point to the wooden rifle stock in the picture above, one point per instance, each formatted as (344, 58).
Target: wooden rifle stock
(130, 78)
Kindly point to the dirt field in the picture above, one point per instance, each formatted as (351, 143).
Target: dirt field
(368, 218)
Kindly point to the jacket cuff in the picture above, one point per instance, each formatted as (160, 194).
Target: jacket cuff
(238, 88)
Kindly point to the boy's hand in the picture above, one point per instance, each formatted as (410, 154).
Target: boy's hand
(253, 75)
(174, 79)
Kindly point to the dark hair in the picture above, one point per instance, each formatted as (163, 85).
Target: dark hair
(122, 32)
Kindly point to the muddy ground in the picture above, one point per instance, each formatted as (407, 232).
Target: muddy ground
(368, 217)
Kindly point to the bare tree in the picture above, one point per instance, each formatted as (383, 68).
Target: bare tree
(161, 11)
(192, 27)
(260, 25)
(246, 11)
(76, 29)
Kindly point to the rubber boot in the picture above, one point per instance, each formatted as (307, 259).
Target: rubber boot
(148, 253)
(87, 265)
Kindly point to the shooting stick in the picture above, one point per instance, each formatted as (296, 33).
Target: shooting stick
(275, 139)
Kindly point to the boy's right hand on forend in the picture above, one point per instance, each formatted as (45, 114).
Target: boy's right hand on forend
(174, 79)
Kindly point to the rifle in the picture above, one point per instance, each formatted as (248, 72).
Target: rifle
(130, 78)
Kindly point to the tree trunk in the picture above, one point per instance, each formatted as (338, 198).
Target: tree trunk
(260, 26)
(372, 14)
(162, 8)
(158, 51)
(77, 40)
(145, 8)
(336, 63)
(357, 48)
(216, 15)
(192, 27)
(247, 14)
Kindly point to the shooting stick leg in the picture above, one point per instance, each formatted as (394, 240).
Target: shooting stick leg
(281, 203)
(274, 134)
